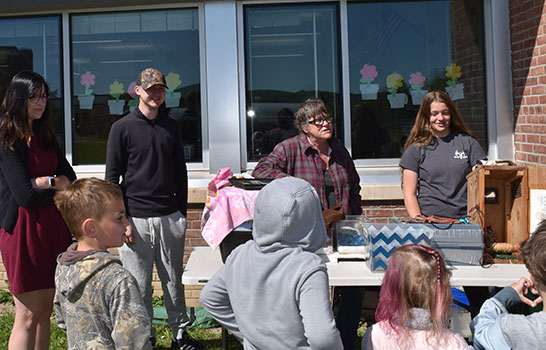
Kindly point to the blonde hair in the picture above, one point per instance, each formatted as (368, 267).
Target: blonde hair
(83, 199)
(416, 277)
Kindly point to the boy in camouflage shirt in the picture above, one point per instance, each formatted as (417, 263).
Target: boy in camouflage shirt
(97, 301)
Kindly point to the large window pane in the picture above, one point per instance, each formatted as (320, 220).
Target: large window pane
(401, 50)
(34, 44)
(291, 54)
(108, 52)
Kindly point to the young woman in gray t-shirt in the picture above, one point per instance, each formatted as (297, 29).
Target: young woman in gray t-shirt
(439, 153)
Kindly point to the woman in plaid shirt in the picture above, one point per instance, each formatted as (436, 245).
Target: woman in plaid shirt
(325, 163)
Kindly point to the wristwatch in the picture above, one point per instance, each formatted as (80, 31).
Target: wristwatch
(51, 182)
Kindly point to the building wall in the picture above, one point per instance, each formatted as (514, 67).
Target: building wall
(528, 41)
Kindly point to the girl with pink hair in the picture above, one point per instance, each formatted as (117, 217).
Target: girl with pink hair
(413, 309)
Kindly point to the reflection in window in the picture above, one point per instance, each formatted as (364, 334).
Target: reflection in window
(401, 50)
(34, 44)
(291, 54)
(108, 52)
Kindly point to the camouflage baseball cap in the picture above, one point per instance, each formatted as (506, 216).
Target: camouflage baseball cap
(150, 77)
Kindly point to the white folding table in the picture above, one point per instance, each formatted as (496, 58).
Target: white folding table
(204, 262)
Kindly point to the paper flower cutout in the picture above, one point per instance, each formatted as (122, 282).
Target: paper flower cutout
(116, 89)
(173, 81)
(131, 89)
(453, 72)
(369, 73)
(88, 80)
(417, 80)
(394, 81)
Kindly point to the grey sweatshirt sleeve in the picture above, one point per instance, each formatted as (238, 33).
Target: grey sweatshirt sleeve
(316, 312)
(215, 299)
(486, 327)
(367, 339)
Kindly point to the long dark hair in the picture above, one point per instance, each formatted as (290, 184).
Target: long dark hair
(14, 112)
(421, 133)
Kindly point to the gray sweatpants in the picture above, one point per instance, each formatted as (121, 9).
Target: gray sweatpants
(159, 240)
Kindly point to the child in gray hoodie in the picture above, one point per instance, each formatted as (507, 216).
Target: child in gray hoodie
(272, 292)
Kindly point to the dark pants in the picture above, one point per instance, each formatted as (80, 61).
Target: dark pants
(476, 297)
(349, 310)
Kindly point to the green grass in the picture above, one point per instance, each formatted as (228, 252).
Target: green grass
(210, 338)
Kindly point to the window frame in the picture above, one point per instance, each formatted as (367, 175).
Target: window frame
(497, 60)
(498, 82)
(99, 169)
(61, 55)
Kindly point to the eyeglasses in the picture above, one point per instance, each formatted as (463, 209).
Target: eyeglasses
(36, 99)
(321, 121)
(445, 112)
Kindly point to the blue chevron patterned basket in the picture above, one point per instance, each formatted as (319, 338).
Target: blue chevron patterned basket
(385, 238)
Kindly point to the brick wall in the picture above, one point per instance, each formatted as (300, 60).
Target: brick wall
(528, 39)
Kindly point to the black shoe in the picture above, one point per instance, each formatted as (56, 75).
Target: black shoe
(185, 343)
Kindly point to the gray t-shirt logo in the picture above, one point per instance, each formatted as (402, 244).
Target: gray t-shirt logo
(460, 155)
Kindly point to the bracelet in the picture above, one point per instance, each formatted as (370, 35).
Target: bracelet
(51, 182)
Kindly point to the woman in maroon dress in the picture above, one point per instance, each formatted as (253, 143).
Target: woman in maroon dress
(32, 231)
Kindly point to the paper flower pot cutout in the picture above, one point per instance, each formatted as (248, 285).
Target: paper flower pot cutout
(417, 96)
(367, 89)
(86, 100)
(455, 91)
(398, 100)
(172, 98)
(116, 106)
(132, 105)
(417, 81)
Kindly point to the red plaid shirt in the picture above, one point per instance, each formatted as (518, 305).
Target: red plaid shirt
(296, 157)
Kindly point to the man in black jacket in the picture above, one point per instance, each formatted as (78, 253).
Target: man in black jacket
(145, 149)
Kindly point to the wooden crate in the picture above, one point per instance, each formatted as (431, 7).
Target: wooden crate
(501, 193)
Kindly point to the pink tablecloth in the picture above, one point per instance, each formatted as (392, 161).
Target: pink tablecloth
(227, 207)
